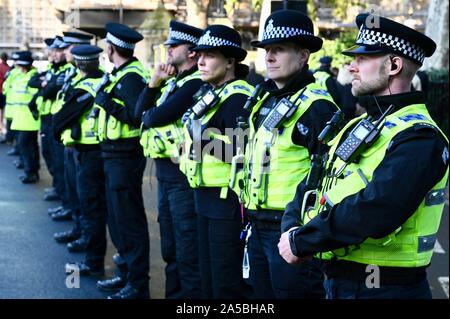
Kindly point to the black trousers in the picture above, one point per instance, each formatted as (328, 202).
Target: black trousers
(221, 251)
(29, 150)
(92, 199)
(70, 181)
(46, 141)
(179, 239)
(126, 216)
(59, 183)
(10, 134)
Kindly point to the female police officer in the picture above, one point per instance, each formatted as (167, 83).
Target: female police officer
(220, 103)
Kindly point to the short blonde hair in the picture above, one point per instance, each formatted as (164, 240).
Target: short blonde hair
(410, 69)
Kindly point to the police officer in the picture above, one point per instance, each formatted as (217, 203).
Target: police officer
(72, 77)
(325, 78)
(284, 125)
(370, 218)
(4, 69)
(24, 121)
(124, 162)
(75, 125)
(49, 86)
(207, 168)
(9, 109)
(166, 99)
(39, 104)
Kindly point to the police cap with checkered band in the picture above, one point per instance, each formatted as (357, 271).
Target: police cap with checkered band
(85, 52)
(378, 35)
(225, 39)
(24, 58)
(49, 41)
(15, 56)
(289, 26)
(58, 43)
(77, 38)
(122, 36)
(181, 33)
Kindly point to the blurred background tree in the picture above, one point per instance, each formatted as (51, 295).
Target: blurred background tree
(334, 49)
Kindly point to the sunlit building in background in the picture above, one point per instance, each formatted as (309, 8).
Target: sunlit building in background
(25, 23)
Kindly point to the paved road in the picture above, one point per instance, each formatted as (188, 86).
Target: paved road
(32, 263)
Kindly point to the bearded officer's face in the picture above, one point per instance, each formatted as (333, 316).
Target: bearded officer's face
(177, 54)
(370, 74)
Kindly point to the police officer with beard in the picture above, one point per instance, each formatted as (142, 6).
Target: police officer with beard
(168, 95)
(382, 198)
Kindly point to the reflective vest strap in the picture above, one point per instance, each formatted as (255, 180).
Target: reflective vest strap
(108, 126)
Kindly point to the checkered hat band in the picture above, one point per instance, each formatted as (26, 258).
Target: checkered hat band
(216, 42)
(178, 35)
(120, 43)
(22, 62)
(372, 37)
(283, 32)
(85, 57)
(73, 40)
(57, 42)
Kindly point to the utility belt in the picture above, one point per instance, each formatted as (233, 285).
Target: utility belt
(265, 219)
(86, 147)
(389, 276)
(46, 117)
(127, 146)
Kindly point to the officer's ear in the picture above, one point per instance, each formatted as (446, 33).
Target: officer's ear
(192, 55)
(396, 65)
(230, 62)
(304, 55)
(110, 49)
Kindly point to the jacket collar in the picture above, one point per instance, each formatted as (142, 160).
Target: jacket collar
(296, 83)
(373, 104)
(115, 70)
(185, 73)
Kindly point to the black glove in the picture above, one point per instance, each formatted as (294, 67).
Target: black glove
(35, 114)
(33, 107)
(143, 120)
(102, 99)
